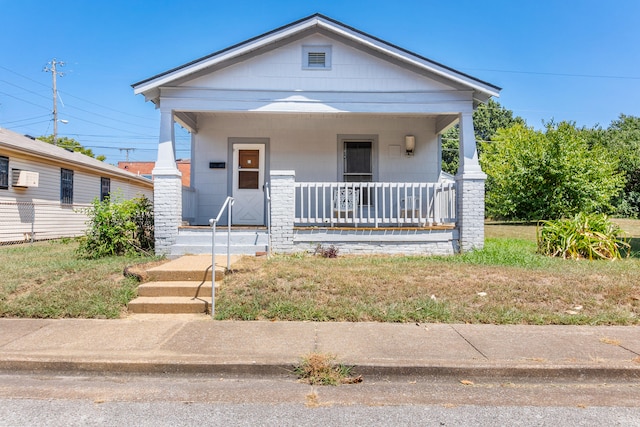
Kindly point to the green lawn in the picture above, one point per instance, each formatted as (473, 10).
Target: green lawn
(47, 280)
(505, 283)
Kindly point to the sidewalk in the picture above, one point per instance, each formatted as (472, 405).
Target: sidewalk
(197, 344)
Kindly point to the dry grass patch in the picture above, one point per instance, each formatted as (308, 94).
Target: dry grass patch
(431, 289)
(322, 369)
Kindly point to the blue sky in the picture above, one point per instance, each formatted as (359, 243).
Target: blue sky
(576, 60)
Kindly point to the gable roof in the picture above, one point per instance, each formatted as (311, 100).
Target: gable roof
(16, 142)
(312, 24)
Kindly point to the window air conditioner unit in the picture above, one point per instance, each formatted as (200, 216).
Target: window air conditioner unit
(25, 178)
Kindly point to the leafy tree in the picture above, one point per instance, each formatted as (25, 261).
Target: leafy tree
(490, 117)
(487, 119)
(536, 175)
(622, 140)
(72, 144)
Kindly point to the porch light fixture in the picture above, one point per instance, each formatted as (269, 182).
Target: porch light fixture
(410, 144)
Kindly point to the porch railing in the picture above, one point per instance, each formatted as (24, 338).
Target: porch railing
(188, 204)
(376, 204)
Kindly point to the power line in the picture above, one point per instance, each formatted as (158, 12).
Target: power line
(76, 97)
(25, 89)
(541, 73)
(23, 100)
(25, 120)
(109, 108)
(78, 108)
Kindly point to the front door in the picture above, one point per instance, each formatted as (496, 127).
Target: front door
(248, 184)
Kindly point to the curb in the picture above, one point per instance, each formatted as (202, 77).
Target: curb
(258, 370)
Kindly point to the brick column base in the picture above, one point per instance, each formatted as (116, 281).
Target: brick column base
(470, 215)
(167, 210)
(282, 185)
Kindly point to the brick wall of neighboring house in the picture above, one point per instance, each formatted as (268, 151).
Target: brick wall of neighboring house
(145, 168)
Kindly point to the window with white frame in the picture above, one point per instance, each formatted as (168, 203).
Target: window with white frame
(4, 172)
(316, 57)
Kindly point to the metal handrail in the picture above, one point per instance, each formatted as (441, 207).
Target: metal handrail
(268, 195)
(213, 222)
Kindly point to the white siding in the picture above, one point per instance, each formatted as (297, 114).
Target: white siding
(38, 209)
(351, 70)
(308, 144)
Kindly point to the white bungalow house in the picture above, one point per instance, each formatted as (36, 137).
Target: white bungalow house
(45, 190)
(326, 135)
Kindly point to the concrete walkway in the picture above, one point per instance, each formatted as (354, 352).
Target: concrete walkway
(195, 343)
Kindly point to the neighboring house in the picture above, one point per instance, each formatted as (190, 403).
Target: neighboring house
(145, 169)
(342, 131)
(45, 189)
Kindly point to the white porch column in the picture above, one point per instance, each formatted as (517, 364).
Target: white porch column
(282, 185)
(167, 188)
(470, 188)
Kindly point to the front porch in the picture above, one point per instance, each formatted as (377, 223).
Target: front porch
(354, 217)
(375, 218)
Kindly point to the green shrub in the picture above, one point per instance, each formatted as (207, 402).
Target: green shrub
(583, 237)
(118, 227)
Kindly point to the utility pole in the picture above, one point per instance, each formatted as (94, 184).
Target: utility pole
(127, 151)
(52, 68)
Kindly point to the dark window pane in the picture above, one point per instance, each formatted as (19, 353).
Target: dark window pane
(248, 180)
(4, 172)
(358, 157)
(66, 186)
(105, 188)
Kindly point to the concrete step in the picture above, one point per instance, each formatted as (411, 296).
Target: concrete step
(175, 289)
(180, 249)
(170, 305)
(188, 268)
(197, 240)
(180, 286)
(184, 276)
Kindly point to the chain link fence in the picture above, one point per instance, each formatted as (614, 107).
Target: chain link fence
(22, 222)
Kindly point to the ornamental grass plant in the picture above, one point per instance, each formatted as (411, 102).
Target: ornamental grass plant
(585, 236)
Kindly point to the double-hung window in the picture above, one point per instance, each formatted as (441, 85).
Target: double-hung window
(66, 186)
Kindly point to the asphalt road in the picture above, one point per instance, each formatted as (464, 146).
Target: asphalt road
(50, 399)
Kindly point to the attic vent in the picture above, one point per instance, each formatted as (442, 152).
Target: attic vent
(316, 57)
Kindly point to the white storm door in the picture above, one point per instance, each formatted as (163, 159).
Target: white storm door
(248, 184)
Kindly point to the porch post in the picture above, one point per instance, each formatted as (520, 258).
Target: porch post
(282, 184)
(469, 189)
(167, 188)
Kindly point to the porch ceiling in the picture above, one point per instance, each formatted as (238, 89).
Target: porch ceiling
(189, 119)
(308, 115)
